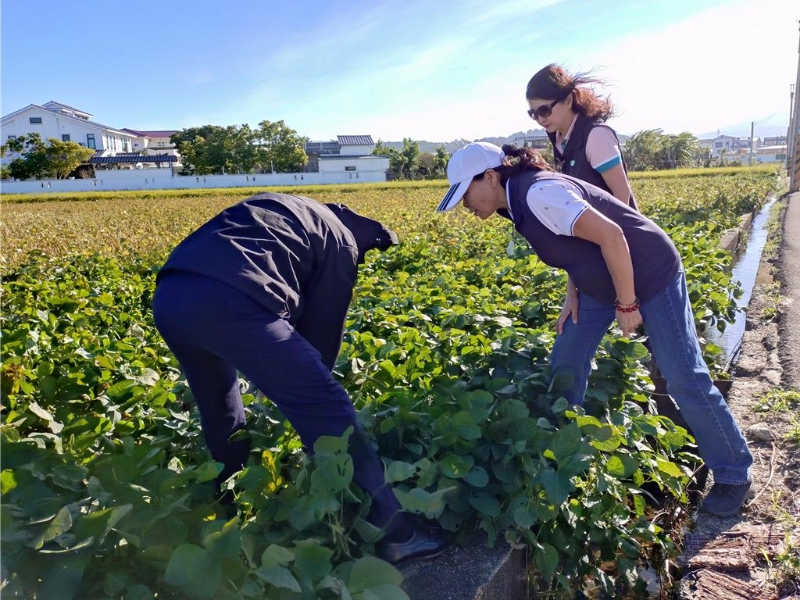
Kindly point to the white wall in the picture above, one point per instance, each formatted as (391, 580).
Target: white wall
(357, 150)
(156, 179)
(338, 163)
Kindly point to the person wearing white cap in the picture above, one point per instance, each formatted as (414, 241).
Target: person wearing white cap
(621, 266)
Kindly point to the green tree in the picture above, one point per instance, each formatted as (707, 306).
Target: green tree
(32, 160)
(212, 149)
(64, 157)
(644, 150)
(205, 150)
(280, 148)
(410, 158)
(396, 161)
(244, 150)
(440, 162)
(683, 149)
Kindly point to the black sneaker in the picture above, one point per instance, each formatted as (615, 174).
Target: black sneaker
(425, 542)
(726, 499)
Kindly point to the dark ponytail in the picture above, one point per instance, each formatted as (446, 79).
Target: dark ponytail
(519, 160)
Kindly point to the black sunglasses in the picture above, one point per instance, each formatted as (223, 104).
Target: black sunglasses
(544, 111)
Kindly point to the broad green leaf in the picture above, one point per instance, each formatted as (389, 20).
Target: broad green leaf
(400, 471)
(546, 560)
(485, 503)
(557, 486)
(566, 441)
(194, 571)
(477, 477)
(8, 481)
(312, 561)
(668, 467)
(370, 571)
(61, 523)
(279, 577)
(621, 465)
(276, 555)
(456, 466)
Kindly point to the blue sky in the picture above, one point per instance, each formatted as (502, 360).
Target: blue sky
(421, 69)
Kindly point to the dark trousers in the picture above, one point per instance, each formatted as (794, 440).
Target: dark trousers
(214, 331)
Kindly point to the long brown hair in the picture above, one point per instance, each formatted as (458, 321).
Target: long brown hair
(554, 83)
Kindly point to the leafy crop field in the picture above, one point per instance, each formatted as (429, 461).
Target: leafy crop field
(106, 483)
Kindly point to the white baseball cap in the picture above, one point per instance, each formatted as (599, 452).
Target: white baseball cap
(467, 162)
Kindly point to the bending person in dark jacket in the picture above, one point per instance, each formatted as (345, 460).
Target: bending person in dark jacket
(263, 288)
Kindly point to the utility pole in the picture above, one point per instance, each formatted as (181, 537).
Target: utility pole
(793, 139)
(752, 128)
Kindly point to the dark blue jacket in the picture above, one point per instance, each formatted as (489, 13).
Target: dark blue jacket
(295, 256)
(572, 160)
(654, 256)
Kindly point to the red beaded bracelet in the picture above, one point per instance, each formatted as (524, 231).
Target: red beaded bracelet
(627, 308)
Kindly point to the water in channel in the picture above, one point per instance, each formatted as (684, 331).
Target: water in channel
(745, 269)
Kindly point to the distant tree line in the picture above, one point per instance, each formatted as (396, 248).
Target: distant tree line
(39, 159)
(268, 148)
(410, 163)
(276, 148)
(652, 150)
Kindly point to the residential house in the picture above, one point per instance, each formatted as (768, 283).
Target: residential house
(349, 153)
(728, 146)
(53, 120)
(62, 122)
(153, 141)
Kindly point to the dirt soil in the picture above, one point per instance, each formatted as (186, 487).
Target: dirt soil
(745, 556)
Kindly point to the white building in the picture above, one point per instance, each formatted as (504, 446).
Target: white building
(114, 147)
(62, 122)
(728, 146)
(153, 142)
(349, 153)
(770, 154)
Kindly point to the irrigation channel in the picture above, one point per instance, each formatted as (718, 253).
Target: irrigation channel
(745, 269)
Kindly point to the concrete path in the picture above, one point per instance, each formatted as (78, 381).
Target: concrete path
(790, 279)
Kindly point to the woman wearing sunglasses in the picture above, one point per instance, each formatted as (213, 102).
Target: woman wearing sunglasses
(574, 116)
(624, 267)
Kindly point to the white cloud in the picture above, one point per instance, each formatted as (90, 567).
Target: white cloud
(720, 68)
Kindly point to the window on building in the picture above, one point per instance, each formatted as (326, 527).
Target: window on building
(35, 119)
(90, 143)
(161, 144)
(12, 137)
(718, 145)
(64, 137)
(350, 168)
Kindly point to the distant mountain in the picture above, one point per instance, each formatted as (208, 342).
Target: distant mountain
(739, 130)
(425, 146)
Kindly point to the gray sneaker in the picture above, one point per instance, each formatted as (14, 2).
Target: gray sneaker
(726, 499)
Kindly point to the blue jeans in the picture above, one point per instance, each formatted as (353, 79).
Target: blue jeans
(670, 326)
(214, 331)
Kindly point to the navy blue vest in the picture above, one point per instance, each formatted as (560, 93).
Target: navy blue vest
(572, 160)
(654, 256)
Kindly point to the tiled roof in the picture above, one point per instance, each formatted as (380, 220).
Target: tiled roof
(160, 133)
(97, 160)
(355, 140)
